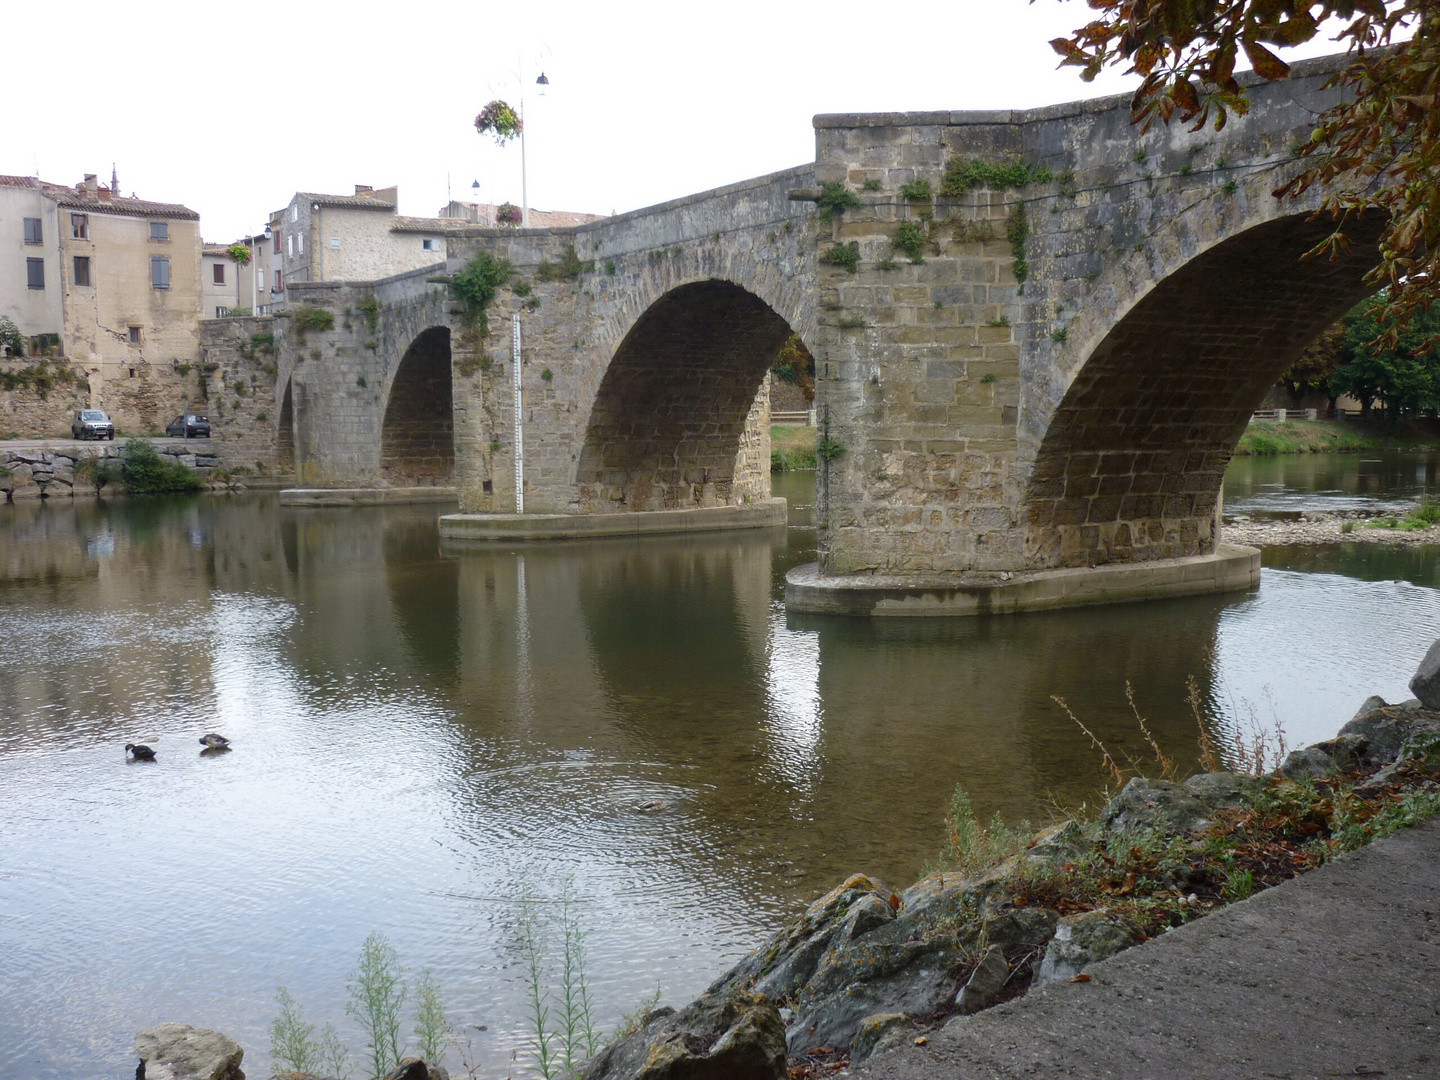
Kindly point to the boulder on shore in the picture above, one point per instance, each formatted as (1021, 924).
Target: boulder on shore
(1425, 683)
(182, 1052)
(1081, 940)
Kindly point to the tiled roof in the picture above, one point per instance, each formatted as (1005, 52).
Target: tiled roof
(354, 202)
(439, 226)
(74, 200)
(484, 214)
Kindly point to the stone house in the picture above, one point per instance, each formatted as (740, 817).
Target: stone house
(118, 280)
(220, 277)
(359, 237)
(477, 213)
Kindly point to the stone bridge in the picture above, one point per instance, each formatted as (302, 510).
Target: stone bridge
(1030, 379)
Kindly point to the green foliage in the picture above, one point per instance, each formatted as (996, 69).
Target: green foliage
(521, 288)
(306, 317)
(1059, 335)
(1353, 827)
(547, 375)
(377, 994)
(634, 1020)
(568, 268)
(610, 265)
(237, 313)
(963, 174)
(918, 188)
(909, 238)
(988, 377)
(973, 848)
(11, 338)
(293, 1047)
(42, 377)
(1003, 320)
(370, 308)
(846, 255)
(432, 1033)
(1238, 885)
(1230, 187)
(827, 449)
(1139, 156)
(886, 264)
(835, 199)
(241, 389)
(475, 287)
(1017, 230)
(148, 472)
(239, 252)
(97, 471)
(791, 447)
(871, 184)
(1422, 517)
(360, 381)
(1404, 377)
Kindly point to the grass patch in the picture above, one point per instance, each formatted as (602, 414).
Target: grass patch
(1422, 517)
(791, 447)
(1269, 437)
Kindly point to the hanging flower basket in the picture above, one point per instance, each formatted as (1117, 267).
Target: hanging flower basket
(500, 120)
(239, 252)
(507, 214)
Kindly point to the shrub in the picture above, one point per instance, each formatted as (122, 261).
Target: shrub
(377, 994)
(916, 189)
(306, 317)
(962, 174)
(842, 255)
(148, 472)
(475, 287)
(835, 199)
(11, 338)
(97, 470)
(910, 238)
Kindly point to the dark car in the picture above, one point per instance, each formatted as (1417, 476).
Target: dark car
(91, 424)
(189, 426)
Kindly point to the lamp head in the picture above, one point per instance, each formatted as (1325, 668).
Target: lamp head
(543, 83)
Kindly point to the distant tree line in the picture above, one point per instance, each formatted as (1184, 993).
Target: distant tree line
(1354, 357)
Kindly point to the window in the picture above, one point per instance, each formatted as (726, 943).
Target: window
(82, 270)
(219, 273)
(427, 244)
(259, 281)
(159, 231)
(300, 243)
(159, 271)
(33, 234)
(80, 226)
(35, 273)
(290, 246)
(279, 282)
(275, 236)
(294, 213)
(134, 336)
(220, 312)
(334, 243)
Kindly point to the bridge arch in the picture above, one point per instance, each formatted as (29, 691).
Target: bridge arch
(1129, 460)
(417, 433)
(677, 418)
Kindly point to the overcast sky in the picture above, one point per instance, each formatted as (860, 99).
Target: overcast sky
(231, 109)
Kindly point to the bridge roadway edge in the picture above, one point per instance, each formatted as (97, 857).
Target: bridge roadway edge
(1230, 568)
(1328, 974)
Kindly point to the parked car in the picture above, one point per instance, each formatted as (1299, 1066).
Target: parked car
(91, 424)
(189, 426)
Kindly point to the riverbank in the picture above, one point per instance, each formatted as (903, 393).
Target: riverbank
(51, 468)
(867, 969)
(792, 446)
(1264, 438)
(1403, 528)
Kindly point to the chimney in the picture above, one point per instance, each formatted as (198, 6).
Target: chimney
(89, 185)
(363, 189)
(104, 193)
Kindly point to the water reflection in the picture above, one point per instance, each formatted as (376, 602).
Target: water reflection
(1375, 480)
(420, 733)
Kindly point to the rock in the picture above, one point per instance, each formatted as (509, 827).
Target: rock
(1425, 683)
(878, 1033)
(1176, 808)
(872, 976)
(1020, 926)
(182, 1052)
(1081, 940)
(414, 1069)
(1057, 846)
(737, 1034)
(1340, 754)
(985, 982)
(788, 960)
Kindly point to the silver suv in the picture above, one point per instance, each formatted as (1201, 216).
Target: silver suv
(91, 424)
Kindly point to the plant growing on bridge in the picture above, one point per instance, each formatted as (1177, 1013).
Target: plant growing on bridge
(834, 199)
(370, 308)
(846, 255)
(919, 188)
(1017, 231)
(475, 287)
(827, 449)
(1377, 148)
(910, 238)
(305, 317)
(500, 121)
(963, 174)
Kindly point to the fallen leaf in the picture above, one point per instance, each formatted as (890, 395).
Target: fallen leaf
(894, 902)
(1084, 976)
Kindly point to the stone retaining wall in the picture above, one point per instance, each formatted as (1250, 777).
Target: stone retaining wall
(49, 471)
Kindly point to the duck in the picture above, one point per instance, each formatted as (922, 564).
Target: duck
(211, 741)
(139, 751)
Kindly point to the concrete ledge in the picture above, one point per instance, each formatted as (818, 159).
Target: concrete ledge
(1231, 568)
(366, 496)
(487, 527)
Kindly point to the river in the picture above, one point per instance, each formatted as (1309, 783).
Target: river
(423, 736)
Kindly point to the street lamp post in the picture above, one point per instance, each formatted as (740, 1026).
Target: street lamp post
(542, 82)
